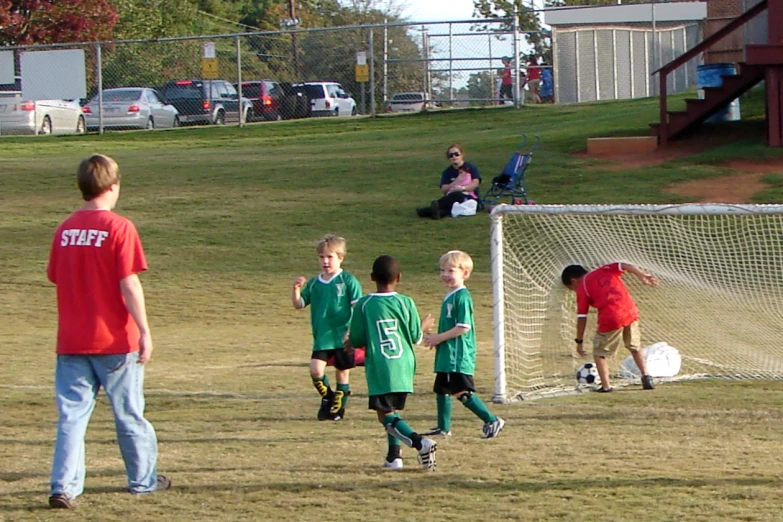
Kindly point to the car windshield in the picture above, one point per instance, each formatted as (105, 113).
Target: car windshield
(409, 97)
(179, 91)
(314, 91)
(120, 96)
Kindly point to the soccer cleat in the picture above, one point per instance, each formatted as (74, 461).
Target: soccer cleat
(437, 432)
(426, 456)
(60, 501)
(394, 465)
(323, 411)
(647, 382)
(340, 415)
(604, 390)
(493, 429)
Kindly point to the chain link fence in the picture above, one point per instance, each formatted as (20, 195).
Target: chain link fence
(617, 63)
(453, 63)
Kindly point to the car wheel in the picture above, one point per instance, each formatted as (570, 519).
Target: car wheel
(220, 118)
(176, 122)
(150, 124)
(337, 112)
(250, 115)
(46, 126)
(353, 111)
(81, 126)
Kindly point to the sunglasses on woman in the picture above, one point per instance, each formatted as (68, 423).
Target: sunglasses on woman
(453, 154)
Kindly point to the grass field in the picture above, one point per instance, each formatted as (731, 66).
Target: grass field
(229, 217)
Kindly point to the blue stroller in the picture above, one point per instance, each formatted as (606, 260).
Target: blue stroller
(510, 183)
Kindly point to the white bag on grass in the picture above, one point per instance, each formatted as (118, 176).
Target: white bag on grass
(662, 361)
(466, 208)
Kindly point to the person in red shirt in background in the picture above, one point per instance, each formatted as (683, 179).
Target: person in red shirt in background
(618, 317)
(103, 339)
(506, 81)
(534, 80)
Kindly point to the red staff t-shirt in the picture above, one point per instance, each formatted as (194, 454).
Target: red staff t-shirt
(604, 289)
(92, 251)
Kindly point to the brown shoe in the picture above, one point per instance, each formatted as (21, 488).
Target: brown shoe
(60, 501)
(162, 484)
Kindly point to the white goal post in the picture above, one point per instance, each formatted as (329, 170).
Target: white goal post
(720, 301)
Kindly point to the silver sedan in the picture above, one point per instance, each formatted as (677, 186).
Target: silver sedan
(19, 116)
(131, 108)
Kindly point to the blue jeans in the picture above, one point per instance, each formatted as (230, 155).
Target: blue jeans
(77, 381)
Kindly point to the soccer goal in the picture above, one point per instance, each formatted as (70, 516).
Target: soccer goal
(720, 301)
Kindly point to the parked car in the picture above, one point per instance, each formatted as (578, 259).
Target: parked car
(131, 108)
(408, 102)
(205, 101)
(329, 99)
(21, 116)
(265, 95)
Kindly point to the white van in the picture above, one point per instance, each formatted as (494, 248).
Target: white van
(408, 102)
(329, 99)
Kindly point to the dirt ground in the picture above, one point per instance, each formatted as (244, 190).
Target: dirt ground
(737, 188)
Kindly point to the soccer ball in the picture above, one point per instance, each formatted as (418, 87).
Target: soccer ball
(588, 374)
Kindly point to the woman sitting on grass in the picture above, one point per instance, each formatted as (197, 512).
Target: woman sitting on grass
(459, 182)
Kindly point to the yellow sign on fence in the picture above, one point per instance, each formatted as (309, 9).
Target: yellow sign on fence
(362, 73)
(209, 68)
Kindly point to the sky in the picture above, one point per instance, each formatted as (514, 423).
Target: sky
(438, 10)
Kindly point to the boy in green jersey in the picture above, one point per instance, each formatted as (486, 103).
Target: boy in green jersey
(388, 324)
(455, 354)
(331, 296)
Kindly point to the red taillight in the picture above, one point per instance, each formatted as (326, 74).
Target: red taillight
(27, 106)
(266, 100)
(184, 82)
(133, 108)
(205, 105)
(328, 104)
(86, 110)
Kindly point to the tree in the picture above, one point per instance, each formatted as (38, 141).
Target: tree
(141, 19)
(480, 85)
(27, 22)
(539, 38)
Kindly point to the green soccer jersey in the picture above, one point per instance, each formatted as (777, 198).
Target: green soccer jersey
(388, 325)
(331, 304)
(457, 355)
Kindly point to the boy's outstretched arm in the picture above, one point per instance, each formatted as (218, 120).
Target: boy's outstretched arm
(296, 293)
(581, 324)
(435, 339)
(645, 277)
(427, 324)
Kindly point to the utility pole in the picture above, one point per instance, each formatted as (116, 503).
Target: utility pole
(294, 22)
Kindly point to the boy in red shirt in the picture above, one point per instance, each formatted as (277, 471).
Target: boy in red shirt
(103, 339)
(618, 317)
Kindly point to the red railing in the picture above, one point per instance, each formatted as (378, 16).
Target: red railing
(663, 130)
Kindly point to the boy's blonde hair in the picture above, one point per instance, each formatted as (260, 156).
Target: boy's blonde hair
(96, 174)
(457, 259)
(333, 244)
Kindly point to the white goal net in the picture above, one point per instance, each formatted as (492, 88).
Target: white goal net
(720, 301)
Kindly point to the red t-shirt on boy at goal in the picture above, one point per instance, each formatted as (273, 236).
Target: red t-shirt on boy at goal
(92, 251)
(604, 289)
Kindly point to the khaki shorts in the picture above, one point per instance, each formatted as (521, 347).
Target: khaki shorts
(606, 344)
(534, 85)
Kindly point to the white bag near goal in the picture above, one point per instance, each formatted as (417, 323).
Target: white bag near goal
(662, 361)
(720, 301)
